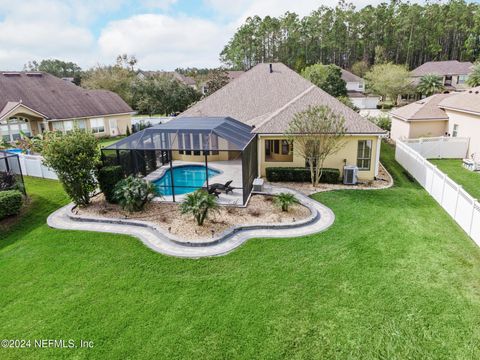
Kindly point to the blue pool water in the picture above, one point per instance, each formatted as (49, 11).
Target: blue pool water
(15, 151)
(186, 179)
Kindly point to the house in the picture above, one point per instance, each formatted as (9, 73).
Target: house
(356, 91)
(267, 97)
(463, 111)
(423, 118)
(454, 73)
(455, 114)
(33, 102)
(186, 80)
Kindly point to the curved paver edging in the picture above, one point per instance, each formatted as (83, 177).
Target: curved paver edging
(215, 240)
(321, 219)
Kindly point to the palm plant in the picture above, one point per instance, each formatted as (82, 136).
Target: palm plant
(199, 204)
(430, 84)
(474, 77)
(133, 193)
(284, 200)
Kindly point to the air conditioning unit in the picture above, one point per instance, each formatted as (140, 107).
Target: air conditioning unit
(350, 175)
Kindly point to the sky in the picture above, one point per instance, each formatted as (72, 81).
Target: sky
(162, 34)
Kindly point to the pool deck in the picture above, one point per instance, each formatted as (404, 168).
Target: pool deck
(229, 170)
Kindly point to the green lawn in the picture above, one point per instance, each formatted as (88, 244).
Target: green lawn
(470, 180)
(393, 278)
(103, 142)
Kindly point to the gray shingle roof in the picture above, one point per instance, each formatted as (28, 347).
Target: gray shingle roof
(347, 76)
(269, 100)
(57, 98)
(467, 101)
(451, 67)
(424, 109)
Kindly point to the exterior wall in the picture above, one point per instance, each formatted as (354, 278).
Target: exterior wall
(346, 156)
(414, 129)
(355, 86)
(468, 126)
(122, 121)
(367, 102)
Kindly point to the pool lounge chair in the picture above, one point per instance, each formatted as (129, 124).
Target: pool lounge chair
(222, 187)
(213, 191)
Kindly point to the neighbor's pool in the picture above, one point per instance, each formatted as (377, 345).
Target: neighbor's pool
(186, 179)
(14, 151)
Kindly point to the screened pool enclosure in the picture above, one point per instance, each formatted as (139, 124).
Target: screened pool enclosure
(218, 154)
(10, 171)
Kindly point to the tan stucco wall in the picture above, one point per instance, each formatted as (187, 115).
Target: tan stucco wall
(348, 152)
(468, 126)
(415, 129)
(122, 122)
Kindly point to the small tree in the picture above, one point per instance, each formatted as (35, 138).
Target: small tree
(73, 157)
(389, 80)
(326, 77)
(199, 204)
(134, 193)
(316, 133)
(284, 200)
(474, 77)
(360, 68)
(430, 84)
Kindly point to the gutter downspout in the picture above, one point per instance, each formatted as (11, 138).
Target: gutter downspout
(377, 156)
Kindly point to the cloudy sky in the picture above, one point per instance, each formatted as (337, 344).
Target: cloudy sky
(162, 34)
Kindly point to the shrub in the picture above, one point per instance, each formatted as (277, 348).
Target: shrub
(383, 121)
(284, 200)
(133, 193)
(108, 177)
(297, 174)
(199, 204)
(10, 203)
(8, 181)
(74, 157)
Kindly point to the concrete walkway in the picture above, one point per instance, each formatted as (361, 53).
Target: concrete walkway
(161, 243)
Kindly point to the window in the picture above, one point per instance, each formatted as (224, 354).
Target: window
(12, 129)
(455, 130)
(97, 125)
(196, 144)
(285, 147)
(80, 124)
(462, 79)
(68, 126)
(57, 126)
(278, 150)
(187, 145)
(364, 154)
(276, 146)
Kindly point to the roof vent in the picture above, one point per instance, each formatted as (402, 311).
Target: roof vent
(271, 68)
(37, 74)
(476, 92)
(11, 74)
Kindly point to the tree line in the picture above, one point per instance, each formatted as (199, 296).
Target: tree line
(398, 32)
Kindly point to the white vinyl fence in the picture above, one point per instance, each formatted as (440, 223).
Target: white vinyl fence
(440, 147)
(460, 205)
(32, 166)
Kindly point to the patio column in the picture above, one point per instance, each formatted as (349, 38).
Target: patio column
(171, 175)
(206, 168)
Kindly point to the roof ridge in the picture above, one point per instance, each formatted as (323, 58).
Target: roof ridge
(286, 105)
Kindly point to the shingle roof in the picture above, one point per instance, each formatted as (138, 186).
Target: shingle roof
(347, 76)
(451, 67)
(424, 109)
(468, 101)
(269, 101)
(56, 98)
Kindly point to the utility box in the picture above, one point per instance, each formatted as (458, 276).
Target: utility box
(350, 175)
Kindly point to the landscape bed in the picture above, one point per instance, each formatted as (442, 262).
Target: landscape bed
(394, 277)
(260, 210)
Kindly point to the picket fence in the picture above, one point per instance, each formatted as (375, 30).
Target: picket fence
(32, 165)
(460, 205)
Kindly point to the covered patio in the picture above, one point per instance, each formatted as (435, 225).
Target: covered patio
(218, 154)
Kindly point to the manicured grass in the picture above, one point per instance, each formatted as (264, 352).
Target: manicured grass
(394, 278)
(103, 142)
(470, 180)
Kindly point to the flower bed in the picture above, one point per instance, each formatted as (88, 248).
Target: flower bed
(260, 210)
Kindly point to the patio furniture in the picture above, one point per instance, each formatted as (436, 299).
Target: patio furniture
(213, 191)
(223, 187)
(472, 164)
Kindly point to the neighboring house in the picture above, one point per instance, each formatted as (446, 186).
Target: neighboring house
(232, 75)
(454, 73)
(422, 118)
(356, 91)
(268, 96)
(186, 80)
(455, 114)
(463, 111)
(34, 102)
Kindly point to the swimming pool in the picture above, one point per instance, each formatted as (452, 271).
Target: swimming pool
(186, 179)
(14, 151)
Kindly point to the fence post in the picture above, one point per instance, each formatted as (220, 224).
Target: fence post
(443, 188)
(456, 202)
(471, 218)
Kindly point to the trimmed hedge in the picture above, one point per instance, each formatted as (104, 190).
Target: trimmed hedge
(297, 174)
(11, 202)
(108, 177)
